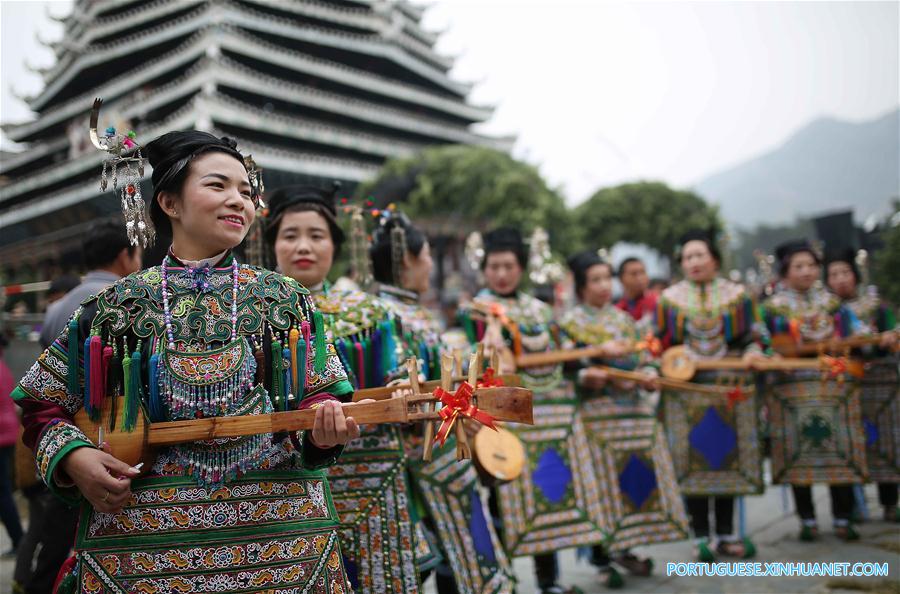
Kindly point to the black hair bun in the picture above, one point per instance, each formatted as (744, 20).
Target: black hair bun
(174, 146)
(582, 261)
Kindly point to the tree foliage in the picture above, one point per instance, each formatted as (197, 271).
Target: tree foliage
(651, 213)
(461, 188)
(887, 261)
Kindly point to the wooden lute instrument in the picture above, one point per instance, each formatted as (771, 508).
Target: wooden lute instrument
(510, 404)
(787, 346)
(677, 363)
(663, 382)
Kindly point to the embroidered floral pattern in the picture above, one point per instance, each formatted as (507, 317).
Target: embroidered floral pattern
(812, 312)
(58, 439)
(297, 547)
(706, 318)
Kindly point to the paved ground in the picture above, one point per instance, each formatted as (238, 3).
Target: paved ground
(773, 528)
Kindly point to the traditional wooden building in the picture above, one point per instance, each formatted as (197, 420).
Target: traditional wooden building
(316, 90)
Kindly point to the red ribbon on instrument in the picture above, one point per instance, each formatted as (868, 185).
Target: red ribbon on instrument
(456, 404)
(489, 379)
(735, 395)
(651, 344)
(836, 365)
(498, 311)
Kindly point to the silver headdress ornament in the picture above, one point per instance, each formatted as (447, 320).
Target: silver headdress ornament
(398, 253)
(124, 162)
(474, 250)
(360, 263)
(254, 172)
(543, 269)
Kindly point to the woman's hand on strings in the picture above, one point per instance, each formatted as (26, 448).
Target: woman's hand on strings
(103, 480)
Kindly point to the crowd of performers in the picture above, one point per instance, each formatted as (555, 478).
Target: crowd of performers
(610, 463)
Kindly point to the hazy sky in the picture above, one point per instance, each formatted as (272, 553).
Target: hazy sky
(604, 92)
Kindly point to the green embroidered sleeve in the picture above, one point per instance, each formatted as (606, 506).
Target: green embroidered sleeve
(57, 440)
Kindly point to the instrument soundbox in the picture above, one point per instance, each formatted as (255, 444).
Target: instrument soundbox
(509, 404)
(26, 469)
(499, 456)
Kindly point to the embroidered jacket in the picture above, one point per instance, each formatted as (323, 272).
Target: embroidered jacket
(116, 346)
(586, 325)
(710, 319)
(866, 314)
(364, 334)
(419, 332)
(808, 316)
(529, 328)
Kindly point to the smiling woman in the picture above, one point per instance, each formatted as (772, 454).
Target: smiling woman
(200, 335)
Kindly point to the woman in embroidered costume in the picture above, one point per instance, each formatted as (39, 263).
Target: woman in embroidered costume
(868, 314)
(596, 321)
(384, 547)
(530, 506)
(446, 489)
(808, 313)
(712, 318)
(200, 335)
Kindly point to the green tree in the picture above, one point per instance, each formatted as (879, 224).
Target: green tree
(887, 260)
(650, 213)
(455, 189)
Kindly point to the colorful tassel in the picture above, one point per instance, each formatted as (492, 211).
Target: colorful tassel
(96, 372)
(321, 352)
(72, 360)
(341, 347)
(300, 384)
(480, 328)
(377, 363)
(306, 332)
(293, 340)
(360, 365)
(277, 374)
(288, 383)
(423, 355)
(126, 374)
(367, 362)
(390, 347)
(133, 391)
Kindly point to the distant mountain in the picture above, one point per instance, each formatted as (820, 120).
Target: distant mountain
(827, 165)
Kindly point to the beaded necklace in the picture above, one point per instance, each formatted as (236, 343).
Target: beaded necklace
(215, 381)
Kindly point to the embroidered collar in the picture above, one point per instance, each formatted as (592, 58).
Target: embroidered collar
(213, 262)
